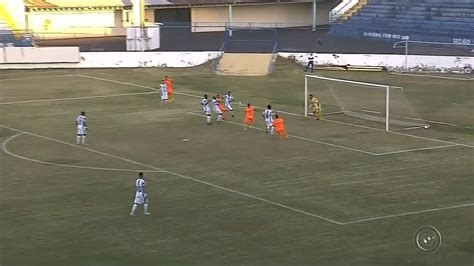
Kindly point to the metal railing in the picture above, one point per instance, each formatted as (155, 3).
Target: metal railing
(340, 9)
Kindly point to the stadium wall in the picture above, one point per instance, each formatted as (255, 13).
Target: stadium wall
(391, 62)
(75, 23)
(28, 55)
(190, 59)
(120, 60)
(268, 15)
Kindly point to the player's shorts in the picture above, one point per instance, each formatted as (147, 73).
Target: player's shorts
(140, 198)
(207, 112)
(81, 130)
(228, 107)
(280, 132)
(269, 122)
(218, 111)
(249, 120)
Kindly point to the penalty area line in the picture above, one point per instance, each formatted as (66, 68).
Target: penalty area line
(419, 149)
(280, 111)
(408, 213)
(182, 176)
(79, 98)
(289, 113)
(42, 77)
(136, 85)
(296, 137)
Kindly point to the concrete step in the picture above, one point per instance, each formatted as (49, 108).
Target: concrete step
(244, 64)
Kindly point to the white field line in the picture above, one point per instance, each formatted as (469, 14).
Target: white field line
(42, 77)
(137, 85)
(413, 128)
(297, 137)
(419, 149)
(430, 76)
(182, 176)
(364, 181)
(383, 130)
(283, 112)
(437, 140)
(33, 72)
(408, 213)
(5, 149)
(437, 122)
(370, 111)
(79, 98)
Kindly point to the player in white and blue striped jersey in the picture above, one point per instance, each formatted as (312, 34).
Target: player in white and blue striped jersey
(163, 92)
(140, 196)
(206, 109)
(81, 126)
(268, 116)
(228, 100)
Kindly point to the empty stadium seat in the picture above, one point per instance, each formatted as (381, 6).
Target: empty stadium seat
(11, 38)
(420, 20)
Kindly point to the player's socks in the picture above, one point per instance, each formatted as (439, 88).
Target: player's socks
(272, 130)
(208, 119)
(145, 208)
(78, 140)
(83, 140)
(134, 207)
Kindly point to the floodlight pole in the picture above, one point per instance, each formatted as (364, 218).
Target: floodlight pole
(314, 15)
(387, 109)
(230, 20)
(406, 55)
(305, 95)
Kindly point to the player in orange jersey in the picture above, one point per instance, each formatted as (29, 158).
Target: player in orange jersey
(221, 104)
(279, 125)
(169, 86)
(249, 110)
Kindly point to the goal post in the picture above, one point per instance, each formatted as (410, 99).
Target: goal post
(363, 101)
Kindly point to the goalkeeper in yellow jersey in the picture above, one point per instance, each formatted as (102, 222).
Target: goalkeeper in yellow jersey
(315, 106)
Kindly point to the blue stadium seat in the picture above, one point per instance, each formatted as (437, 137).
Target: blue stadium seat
(421, 20)
(10, 38)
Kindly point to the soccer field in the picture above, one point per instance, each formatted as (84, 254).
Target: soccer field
(341, 191)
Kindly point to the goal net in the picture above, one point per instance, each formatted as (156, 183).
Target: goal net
(363, 103)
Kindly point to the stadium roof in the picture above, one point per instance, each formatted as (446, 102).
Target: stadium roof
(72, 3)
(126, 3)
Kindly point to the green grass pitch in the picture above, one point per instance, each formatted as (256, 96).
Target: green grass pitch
(339, 192)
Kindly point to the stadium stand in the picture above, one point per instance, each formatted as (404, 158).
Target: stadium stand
(9, 38)
(421, 20)
(10, 33)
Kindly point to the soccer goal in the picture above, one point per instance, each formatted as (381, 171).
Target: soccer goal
(360, 101)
